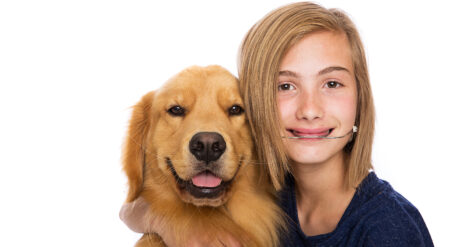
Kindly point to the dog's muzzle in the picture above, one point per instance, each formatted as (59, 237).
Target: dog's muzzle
(203, 185)
(207, 148)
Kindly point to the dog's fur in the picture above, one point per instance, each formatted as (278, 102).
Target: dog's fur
(157, 155)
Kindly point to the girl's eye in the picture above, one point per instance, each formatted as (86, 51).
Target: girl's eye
(333, 84)
(285, 87)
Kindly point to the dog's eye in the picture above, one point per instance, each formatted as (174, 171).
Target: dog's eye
(235, 110)
(176, 111)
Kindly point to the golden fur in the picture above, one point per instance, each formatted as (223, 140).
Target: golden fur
(157, 143)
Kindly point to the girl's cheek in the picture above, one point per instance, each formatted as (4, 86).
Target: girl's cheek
(284, 108)
(345, 108)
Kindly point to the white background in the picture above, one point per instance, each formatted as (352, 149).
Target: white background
(70, 70)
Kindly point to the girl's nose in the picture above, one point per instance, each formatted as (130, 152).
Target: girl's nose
(310, 107)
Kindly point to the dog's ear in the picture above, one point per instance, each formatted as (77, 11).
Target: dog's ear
(135, 145)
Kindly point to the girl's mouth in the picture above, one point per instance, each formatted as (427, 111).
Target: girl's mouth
(311, 133)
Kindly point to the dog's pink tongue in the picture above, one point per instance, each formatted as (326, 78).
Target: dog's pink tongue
(206, 179)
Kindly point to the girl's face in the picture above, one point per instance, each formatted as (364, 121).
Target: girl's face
(317, 96)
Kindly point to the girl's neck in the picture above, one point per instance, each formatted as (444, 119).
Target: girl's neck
(321, 194)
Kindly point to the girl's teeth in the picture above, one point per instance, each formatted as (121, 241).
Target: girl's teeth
(325, 133)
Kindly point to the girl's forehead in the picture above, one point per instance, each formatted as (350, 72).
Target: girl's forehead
(321, 43)
(318, 51)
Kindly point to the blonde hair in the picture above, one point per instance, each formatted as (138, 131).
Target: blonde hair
(259, 60)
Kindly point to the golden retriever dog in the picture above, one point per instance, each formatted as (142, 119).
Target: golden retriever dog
(189, 154)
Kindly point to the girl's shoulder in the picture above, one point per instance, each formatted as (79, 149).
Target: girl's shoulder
(385, 217)
(378, 197)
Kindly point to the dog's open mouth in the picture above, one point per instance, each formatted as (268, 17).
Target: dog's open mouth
(206, 185)
(203, 185)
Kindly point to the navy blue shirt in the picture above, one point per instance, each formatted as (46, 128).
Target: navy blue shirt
(376, 216)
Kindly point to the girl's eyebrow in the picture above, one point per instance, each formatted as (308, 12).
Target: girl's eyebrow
(331, 69)
(321, 72)
(288, 73)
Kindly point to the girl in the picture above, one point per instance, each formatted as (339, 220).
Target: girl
(304, 80)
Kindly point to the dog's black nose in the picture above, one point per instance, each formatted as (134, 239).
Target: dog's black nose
(207, 146)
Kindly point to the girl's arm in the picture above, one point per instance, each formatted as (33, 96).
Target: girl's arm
(134, 215)
(139, 219)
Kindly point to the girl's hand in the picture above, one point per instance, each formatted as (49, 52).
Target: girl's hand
(134, 215)
(139, 219)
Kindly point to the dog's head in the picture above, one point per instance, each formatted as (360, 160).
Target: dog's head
(190, 136)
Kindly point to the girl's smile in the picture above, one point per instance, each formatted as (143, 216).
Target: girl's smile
(315, 133)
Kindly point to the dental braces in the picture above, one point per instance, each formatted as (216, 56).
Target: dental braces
(354, 130)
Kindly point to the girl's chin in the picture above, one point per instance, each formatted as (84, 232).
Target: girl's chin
(307, 160)
(313, 156)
